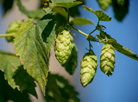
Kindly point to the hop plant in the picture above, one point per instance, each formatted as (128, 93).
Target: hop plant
(107, 59)
(88, 68)
(63, 47)
(13, 28)
(72, 63)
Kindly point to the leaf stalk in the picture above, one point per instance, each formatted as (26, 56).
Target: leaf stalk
(5, 35)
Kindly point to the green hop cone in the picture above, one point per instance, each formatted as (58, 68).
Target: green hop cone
(88, 68)
(13, 28)
(63, 47)
(71, 65)
(107, 59)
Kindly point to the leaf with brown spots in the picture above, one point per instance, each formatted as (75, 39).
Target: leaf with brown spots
(32, 47)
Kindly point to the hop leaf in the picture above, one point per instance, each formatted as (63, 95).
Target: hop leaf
(104, 4)
(13, 28)
(88, 68)
(72, 63)
(107, 59)
(64, 46)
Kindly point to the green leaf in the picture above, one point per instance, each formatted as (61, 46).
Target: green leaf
(33, 52)
(105, 38)
(14, 74)
(59, 90)
(120, 8)
(53, 93)
(9, 64)
(24, 81)
(91, 38)
(81, 21)
(61, 11)
(67, 90)
(37, 14)
(7, 5)
(10, 94)
(68, 4)
(104, 4)
(100, 14)
(48, 31)
(59, 1)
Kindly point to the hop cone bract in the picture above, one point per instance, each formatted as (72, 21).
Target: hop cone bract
(64, 46)
(88, 68)
(107, 59)
(13, 28)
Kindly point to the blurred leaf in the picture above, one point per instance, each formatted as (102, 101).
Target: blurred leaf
(14, 74)
(24, 81)
(59, 90)
(10, 94)
(100, 14)
(1, 86)
(9, 64)
(68, 4)
(105, 38)
(59, 1)
(61, 11)
(13, 28)
(71, 65)
(120, 9)
(7, 4)
(36, 14)
(81, 21)
(33, 52)
(60, 20)
(120, 2)
(74, 11)
(104, 4)
(53, 93)
(67, 90)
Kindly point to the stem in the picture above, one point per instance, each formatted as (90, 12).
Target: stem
(4, 35)
(93, 31)
(68, 16)
(89, 45)
(79, 31)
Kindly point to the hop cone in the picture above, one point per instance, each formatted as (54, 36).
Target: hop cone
(72, 63)
(88, 68)
(13, 28)
(107, 59)
(64, 46)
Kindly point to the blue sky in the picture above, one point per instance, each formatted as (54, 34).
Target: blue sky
(122, 85)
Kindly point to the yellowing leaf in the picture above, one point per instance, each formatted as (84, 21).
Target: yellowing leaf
(33, 51)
